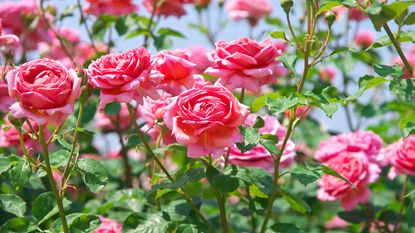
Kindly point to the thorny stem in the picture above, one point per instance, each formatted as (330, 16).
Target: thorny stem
(58, 196)
(182, 191)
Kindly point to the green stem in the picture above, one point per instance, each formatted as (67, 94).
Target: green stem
(124, 155)
(23, 147)
(58, 197)
(402, 200)
(242, 97)
(88, 31)
(398, 48)
(182, 191)
(251, 203)
(221, 203)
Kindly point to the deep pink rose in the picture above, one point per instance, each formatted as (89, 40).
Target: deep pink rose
(246, 63)
(327, 74)
(259, 156)
(108, 122)
(5, 100)
(167, 8)
(177, 70)
(124, 77)
(110, 7)
(364, 38)
(206, 119)
(355, 167)
(199, 56)
(252, 10)
(16, 18)
(357, 14)
(360, 141)
(108, 226)
(403, 157)
(46, 90)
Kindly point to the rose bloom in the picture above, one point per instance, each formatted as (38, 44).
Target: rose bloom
(167, 8)
(46, 90)
(106, 122)
(360, 141)
(411, 59)
(355, 167)
(16, 17)
(364, 38)
(246, 63)
(177, 70)
(327, 74)
(259, 156)
(336, 223)
(403, 157)
(124, 77)
(206, 119)
(302, 111)
(252, 10)
(7, 39)
(110, 7)
(5, 100)
(108, 226)
(356, 14)
(199, 56)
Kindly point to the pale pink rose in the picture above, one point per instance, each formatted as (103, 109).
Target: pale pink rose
(108, 122)
(252, 10)
(110, 7)
(360, 141)
(246, 63)
(177, 70)
(124, 77)
(336, 223)
(167, 8)
(356, 14)
(387, 154)
(5, 100)
(46, 90)
(355, 167)
(108, 226)
(16, 18)
(403, 157)
(411, 59)
(364, 38)
(259, 156)
(199, 56)
(206, 119)
(327, 74)
(7, 39)
(281, 45)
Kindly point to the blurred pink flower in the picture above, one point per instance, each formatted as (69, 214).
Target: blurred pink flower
(302, 111)
(107, 122)
(108, 226)
(199, 56)
(339, 11)
(7, 39)
(252, 10)
(411, 59)
(357, 14)
(5, 100)
(259, 156)
(364, 38)
(246, 63)
(327, 73)
(336, 223)
(402, 157)
(110, 7)
(167, 8)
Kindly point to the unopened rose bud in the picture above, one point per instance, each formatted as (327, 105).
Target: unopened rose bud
(287, 5)
(330, 17)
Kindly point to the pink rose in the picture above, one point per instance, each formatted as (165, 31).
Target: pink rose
(355, 167)
(206, 119)
(403, 157)
(46, 90)
(336, 222)
(124, 77)
(5, 100)
(108, 226)
(339, 11)
(167, 8)
(16, 17)
(361, 141)
(199, 56)
(411, 59)
(327, 74)
(252, 10)
(302, 111)
(259, 156)
(246, 63)
(107, 122)
(356, 14)
(110, 7)
(7, 39)
(177, 70)
(364, 38)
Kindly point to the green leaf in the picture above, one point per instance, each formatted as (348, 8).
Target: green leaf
(354, 216)
(282, 104)
(295, 202)
(84, 223)
(68, 11)
(328, 5)
(306, 176)
(271, 146)
(121, 26)
(410, 19)
(261, 178)
(403, 89)
(395, 71)
(16, 225)
(329, 171)
(59, 158)
(410, 216)
(112, 108)
(288, 61)
(259, 102)
(20, 173)
(251, 136)
(146, 223)
(224, 183)
(13, 204)
(259, 123)
(189, 228)
(365, 83)
(407, 36)
(93, 174)
(5, 163)
(407, 124)
(278, 35)
(44, 207)
(284, 228)
(380, 14)
(170, 32)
